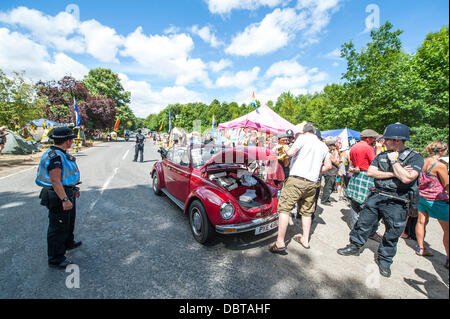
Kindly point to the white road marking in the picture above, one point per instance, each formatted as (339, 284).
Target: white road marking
(26, 170)
(105, 186)
(126, 153)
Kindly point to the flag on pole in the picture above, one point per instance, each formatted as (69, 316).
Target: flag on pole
(253, 103)
(170, 121)
(77, 114)
(162, 123)
(116, 127)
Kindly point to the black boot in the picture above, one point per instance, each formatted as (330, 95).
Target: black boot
(350, 250)
(385, 271)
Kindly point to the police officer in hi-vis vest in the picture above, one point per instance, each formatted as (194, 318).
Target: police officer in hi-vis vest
(58, 176)
(395, 174)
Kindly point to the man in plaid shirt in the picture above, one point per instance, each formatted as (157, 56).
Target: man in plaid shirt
(359, 186)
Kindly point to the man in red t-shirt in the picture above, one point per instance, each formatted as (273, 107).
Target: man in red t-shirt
(361, 155)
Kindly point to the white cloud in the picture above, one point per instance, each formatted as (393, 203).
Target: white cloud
(280, 27)
(206, 35)
(171, 29)
(318, 15)
(19, 53)
(53, 31)
(272, 33)
(144, 100)
(287, 68)
(226, 6)
(285, 76)
(240, 79)
(166, 56)
(221, 65)
(101, 42)
(334, 55)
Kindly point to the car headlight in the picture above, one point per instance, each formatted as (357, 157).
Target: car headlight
(227, 211)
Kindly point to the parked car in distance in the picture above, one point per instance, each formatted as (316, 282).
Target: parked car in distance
(214, 187)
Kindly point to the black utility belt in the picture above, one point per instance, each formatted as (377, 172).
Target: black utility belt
(392, 196)
(65, 187)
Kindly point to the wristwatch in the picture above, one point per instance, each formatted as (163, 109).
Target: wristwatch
(393, 162)
(65, 199)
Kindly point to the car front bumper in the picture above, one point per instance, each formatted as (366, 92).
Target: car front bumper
(245, 227)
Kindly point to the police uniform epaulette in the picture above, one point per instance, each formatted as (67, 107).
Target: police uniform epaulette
(70, 157)
(52, 154)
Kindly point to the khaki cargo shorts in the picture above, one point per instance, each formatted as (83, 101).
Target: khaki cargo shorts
(301, 192)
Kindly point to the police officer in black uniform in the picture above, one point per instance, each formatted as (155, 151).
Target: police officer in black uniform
(395, 173)
(58, 175)
(139, 146)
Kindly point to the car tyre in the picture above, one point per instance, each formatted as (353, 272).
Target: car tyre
(155, 187)
(201, 227)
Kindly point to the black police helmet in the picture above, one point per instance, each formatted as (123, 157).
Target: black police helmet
(62, 133)
(290, 133)
(397, 131)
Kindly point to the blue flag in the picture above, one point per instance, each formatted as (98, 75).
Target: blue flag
(170, 121)
(77, 114)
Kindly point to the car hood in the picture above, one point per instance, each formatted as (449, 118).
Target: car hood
(244, 155)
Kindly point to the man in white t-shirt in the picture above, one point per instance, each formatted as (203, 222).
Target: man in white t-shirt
(310, 158)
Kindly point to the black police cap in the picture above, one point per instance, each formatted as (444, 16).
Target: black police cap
(290, 133)
(62, 133)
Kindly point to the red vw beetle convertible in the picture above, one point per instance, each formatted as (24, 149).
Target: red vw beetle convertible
(215, 188)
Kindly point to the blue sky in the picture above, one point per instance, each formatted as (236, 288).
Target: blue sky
(198, 50)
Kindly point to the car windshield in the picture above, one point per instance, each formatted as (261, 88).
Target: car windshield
(201, 154)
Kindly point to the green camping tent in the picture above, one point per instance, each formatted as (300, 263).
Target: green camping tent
(17, 145)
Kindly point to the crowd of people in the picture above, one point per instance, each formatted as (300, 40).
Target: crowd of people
(380, 178)
(365, 175)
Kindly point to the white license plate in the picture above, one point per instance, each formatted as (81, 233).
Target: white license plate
(266, 228)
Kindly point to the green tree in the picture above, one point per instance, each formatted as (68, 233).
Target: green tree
(19, 102)
(431, 66)
(105, 82)
(379, 88)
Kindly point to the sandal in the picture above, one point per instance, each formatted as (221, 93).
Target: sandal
(276, 250)
(298, 240)
(424, 252)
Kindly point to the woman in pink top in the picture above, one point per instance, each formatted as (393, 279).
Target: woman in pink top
(433, 201)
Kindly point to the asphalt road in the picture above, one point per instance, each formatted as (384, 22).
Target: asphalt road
(138, 245)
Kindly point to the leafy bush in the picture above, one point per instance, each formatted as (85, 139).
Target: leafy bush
(423, 135)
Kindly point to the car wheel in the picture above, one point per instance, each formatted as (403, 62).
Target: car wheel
(156, 190)
(201, 227)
